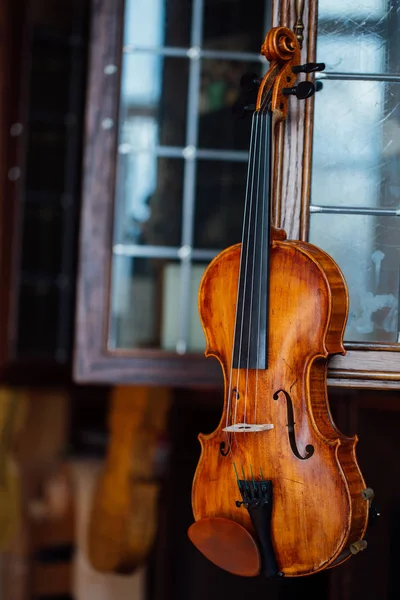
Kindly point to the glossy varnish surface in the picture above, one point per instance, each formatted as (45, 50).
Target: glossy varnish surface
(318, 509)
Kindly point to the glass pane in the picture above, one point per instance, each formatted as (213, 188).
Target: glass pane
(219, 90)
(42, 237)
(356, 154)
(220, 195)
(196, 338)
(153, 101)
(172, 310)
(367, 250)
(157, 22)
(148, 207)
(140, 287)
(233, 26)
(359, 36)
(37, 320)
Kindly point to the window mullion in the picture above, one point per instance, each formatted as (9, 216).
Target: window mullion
(189, 181)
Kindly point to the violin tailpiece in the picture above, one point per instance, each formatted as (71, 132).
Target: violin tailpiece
(257, 499)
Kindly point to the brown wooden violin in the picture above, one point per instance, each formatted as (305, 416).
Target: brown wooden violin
(277, 489)
(123, 521)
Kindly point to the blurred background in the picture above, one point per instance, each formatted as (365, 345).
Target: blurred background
(123, 173)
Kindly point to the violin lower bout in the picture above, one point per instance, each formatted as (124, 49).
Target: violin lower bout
(318, 509)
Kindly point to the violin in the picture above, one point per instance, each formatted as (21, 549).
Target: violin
(124, 514)
(277, 489)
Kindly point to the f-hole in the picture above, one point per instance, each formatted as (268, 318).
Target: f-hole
(223, 449)
(290, 425)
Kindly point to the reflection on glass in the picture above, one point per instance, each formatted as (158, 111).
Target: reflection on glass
(146, 309)
(153, 92)
(357, 144)
(220, 195)
(231, 25)
(353, 36)
(367, 250)
(171, 311)
(219, 90)
(366, 9)
(136, 318)
(148, 208)
(157, 22)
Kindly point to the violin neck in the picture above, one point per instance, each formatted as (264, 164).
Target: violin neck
(251, 328)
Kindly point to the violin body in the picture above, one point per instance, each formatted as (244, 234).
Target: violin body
(318, 510)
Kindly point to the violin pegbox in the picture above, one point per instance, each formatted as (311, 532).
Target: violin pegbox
(281, 48)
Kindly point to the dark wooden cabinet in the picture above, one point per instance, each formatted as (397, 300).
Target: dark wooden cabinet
(44, 53)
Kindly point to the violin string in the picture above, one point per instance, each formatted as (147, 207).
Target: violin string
(260, 158)
(254, 154)
(264, 225)
(246, 207)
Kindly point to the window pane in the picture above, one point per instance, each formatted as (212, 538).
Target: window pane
(357, 144)
(172, 309)
(148, 207)
(153, 89)
(220, 196)
(367, 250)
(219, 90)
(234, 26)
(157, 22)
(359, 36)
(197, 340)
(140, 289)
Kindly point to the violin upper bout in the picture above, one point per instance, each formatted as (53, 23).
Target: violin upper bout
(338, 296)
(217, 302)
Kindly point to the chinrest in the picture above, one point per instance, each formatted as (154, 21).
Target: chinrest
(226, 544)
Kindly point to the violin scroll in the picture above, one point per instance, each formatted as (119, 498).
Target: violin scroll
(282, 50)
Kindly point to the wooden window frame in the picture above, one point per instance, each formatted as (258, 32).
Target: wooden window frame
(93, 362)
(364, 366)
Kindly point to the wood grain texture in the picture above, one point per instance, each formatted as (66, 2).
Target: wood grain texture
(318, 509)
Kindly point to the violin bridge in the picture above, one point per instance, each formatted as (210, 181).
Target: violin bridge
(248, 427)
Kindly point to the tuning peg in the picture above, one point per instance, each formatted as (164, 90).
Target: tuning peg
(302, 90)
(309, 68)
(250, 82)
